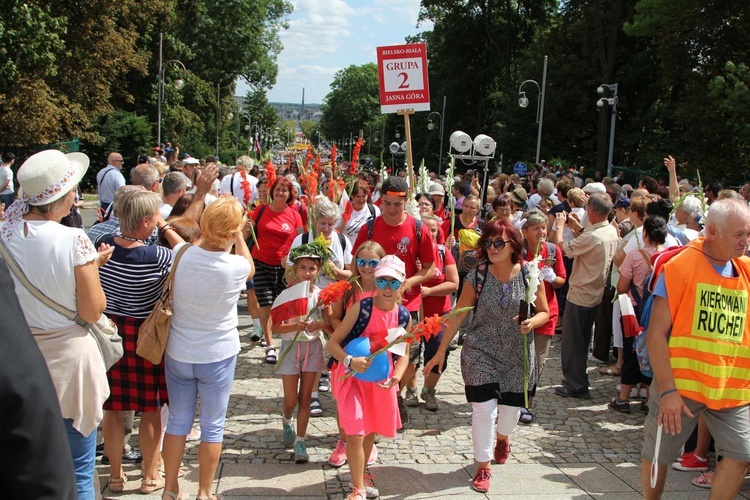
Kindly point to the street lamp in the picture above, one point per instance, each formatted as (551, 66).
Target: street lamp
(431, 126)
(178, 84)
(523, 101)
(612, 103)
(397, 134)
(230, 115)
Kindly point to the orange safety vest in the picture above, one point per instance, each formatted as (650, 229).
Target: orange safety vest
(709, 346)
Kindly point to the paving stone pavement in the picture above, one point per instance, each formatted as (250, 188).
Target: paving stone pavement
(574, 449)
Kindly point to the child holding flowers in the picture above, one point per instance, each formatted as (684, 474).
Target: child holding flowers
(367, 408)
(295, 317)
(366, 259)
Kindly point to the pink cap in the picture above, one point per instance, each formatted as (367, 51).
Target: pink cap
(391, 267)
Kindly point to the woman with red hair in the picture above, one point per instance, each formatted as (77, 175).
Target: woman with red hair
(494, 354)
(274, 223)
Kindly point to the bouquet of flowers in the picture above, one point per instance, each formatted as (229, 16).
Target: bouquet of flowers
(449, 189)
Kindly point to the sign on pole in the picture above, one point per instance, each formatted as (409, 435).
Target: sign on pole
(520, 168)
(402, 71)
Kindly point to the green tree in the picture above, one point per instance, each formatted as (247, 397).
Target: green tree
(311, 130)
(353, 102)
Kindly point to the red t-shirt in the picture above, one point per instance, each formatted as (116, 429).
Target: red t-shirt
(559, 267)
(438, 305)
(273, 230)
(400, 241)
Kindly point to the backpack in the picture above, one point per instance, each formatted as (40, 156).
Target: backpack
(466, 258)
(646, 305)
(365, 312)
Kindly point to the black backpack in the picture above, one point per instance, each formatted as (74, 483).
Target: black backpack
(306, 239)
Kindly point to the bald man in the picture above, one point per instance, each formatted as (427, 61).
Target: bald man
(109, 179)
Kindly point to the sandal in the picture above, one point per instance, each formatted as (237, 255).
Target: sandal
(214, 496)
(270, 355)
(704, 480)
(263, 342)
(526, 416)
(117, 484)
(611, 370)
(175, 496)
(149, 486)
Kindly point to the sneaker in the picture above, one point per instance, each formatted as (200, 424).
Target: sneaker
(257, 333)
(288, 435)
(690, 462)
(370, 490)
(481, 482)
(315, 409)
(410, 398)
(502, 451)
(338, 456)
(403, 413)
(300, 453)
(325, 383)
(618, 405)
(430, 401)
(356, 495)
(373, 455)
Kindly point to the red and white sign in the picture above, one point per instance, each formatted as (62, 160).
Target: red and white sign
(402, 70)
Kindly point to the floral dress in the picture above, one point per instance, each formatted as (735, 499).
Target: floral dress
(492, 358)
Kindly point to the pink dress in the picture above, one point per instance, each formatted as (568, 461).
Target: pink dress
(363, 407)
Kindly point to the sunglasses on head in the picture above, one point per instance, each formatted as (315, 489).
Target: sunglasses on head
(499, 244)
(365, 262)
(382, 283)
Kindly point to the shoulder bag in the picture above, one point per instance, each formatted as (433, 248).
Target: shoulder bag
(104, 330)
(154, 331)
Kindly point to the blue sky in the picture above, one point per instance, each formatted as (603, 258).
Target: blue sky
(325, 36)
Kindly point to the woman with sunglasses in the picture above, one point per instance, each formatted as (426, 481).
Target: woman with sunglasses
(366, 259)
(366, 408)
(494, 352)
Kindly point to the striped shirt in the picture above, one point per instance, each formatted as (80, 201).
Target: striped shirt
(133, 278)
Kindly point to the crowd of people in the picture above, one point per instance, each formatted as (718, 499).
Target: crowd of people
(528, 257)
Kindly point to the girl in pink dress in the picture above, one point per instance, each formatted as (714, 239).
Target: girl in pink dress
(366, 259)
(367, 408)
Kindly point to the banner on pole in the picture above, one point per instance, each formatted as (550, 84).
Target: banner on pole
(402, 72)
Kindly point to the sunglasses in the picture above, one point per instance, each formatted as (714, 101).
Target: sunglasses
(382, 283)
(499, 244)
(364, 263)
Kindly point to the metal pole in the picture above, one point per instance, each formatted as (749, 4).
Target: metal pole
(218, 115)
(540, 114)
(237, 139)
(350, 147)
(612, 132)
(442, 123)
(159, 91)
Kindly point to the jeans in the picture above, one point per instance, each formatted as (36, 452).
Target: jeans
(83, 449)
(212, 382)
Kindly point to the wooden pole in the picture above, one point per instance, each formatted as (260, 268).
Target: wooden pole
(410, 165)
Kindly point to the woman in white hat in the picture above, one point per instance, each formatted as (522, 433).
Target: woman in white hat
(437, 191)
(62, 263)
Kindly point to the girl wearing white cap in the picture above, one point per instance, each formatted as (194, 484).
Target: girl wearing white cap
(366, 408)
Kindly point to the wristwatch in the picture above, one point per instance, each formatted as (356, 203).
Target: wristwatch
(348, 361)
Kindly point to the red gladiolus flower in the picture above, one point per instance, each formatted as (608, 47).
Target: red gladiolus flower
(270, 172)
(334, 292)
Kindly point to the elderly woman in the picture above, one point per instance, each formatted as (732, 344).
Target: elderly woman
(553, 274)
(492, 359)
(64, 265)
(133, 280)
(362, 210)
(274, 223)
(203, 341)
(502, 208)
(327, 216)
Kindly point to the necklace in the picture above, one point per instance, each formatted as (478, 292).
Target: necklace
(128, 238)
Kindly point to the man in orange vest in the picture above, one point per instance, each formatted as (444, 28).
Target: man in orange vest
(699, 345)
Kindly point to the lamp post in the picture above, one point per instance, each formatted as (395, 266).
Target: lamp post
(218, 116)
(178, 84)
(612, 103)
(230, 115)
(431, 126)
(397, 134)
(523, 101)
(248, 127)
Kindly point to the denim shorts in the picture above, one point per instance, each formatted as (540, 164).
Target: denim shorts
(212, 383)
